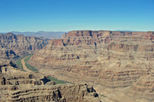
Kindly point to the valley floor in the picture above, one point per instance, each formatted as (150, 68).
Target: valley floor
(28, 68)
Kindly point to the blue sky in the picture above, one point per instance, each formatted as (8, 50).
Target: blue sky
(66, 15)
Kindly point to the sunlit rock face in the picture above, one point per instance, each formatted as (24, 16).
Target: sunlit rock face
(113, 59)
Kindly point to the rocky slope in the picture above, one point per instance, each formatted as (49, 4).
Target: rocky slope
(19, 86)
(12, 46)
(110, 59)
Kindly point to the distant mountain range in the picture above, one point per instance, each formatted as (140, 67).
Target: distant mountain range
(44, 34)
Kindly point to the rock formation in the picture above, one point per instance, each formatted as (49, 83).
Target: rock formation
(19, 86)
(13, 46)
(112, 59)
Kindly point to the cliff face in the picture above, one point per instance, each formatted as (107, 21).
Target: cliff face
(110, 58)
(12, 46)
(19, 86)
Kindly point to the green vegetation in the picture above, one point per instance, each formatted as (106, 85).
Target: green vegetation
(56, 80)
(19, 64)
(26, 59)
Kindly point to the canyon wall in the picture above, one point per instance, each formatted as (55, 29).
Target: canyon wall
(112, 59)
(13, 46)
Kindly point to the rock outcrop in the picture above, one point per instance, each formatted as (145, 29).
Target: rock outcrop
(19, 86)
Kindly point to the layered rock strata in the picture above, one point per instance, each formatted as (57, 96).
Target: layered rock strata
(110, 58)
(18, 86)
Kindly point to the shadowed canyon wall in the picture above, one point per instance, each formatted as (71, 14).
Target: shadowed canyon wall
(13, 46)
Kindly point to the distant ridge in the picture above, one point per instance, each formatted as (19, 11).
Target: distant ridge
(44, 34)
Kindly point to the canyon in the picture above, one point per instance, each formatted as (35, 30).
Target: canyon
(118, 64)
(22, 84)
(94, 66)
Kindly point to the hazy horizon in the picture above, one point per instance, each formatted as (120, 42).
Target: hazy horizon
(79, 30)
